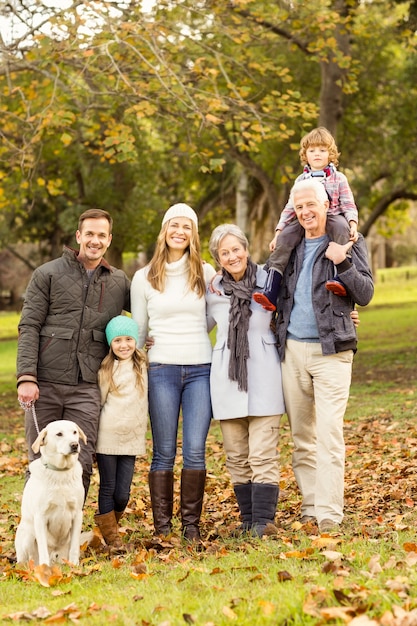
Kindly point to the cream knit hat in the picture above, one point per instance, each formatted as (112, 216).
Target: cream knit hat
(180, 210)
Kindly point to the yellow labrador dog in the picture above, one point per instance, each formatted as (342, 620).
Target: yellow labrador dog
(53, 498)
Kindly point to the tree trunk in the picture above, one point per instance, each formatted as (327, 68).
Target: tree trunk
(333, 76)
(242, 203)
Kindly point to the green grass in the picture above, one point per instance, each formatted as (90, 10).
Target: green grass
(294, 578)
(8, 324)
(395, 286)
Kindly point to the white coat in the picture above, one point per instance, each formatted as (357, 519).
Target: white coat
(264, 395)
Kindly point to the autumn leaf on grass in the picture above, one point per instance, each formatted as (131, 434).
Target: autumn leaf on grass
(227, 611)
(40, 613)
(411, 559)
(364, 620)
(297, 554)
(267, 608)
(332, 555)
(48, 576)
(71, 612)
(283, 576)
(139, 571)
(399, 585)
(374, 565)
(57, 593)
(324, 541)
(402, 617)
(317, 596)
(310, 608)
(257, 577)
(338, 612)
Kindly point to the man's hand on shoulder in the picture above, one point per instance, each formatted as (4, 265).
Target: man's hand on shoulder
(337, 252)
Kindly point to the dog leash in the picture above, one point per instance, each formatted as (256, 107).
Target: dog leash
(27, 406)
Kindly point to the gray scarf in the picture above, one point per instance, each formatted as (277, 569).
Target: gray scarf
(240, 293)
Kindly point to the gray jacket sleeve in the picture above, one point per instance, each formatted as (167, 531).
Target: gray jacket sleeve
(356, 274)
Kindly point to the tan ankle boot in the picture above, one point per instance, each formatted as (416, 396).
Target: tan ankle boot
(108, 527)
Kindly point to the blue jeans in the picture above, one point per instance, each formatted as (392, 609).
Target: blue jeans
(116, 473)
(171, 388)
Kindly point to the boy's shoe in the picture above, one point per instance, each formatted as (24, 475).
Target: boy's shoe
(264, 301)
(328, 526)
(307, 519)
(269, 296)
(336, 287)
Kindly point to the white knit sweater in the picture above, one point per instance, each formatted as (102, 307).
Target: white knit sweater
(176, 318)
(124, 415)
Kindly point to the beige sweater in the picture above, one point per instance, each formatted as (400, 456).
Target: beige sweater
(124, 413)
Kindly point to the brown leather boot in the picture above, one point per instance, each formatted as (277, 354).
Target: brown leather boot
(108, 527)
(161, 487)
(118, 515)
(192, 493)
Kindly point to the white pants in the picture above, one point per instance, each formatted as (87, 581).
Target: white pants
(316, 392)
(251, 446)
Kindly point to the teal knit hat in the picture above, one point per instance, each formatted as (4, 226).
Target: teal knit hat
(122, 326)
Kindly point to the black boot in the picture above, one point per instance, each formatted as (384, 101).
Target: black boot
(269, 296)
(161, 487)
(192, 493)
(264, 504)
(243, 495)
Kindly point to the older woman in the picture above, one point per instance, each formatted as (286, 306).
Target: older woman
(245, 379)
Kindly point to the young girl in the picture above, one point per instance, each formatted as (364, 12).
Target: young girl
(168, 297)
(319, 156)
(123, 383)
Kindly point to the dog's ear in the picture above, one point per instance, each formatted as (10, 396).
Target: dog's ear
(82, 434)
(39, 441)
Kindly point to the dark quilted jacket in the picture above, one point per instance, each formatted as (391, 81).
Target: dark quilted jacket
(61, 330)
(336, 330)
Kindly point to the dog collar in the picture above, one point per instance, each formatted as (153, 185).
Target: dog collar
(53, 467)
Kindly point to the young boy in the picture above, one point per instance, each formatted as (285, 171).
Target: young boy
(319, 155)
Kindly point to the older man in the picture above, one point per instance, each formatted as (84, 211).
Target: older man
(316, 343)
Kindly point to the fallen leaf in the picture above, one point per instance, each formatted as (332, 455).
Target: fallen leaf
(229, 613)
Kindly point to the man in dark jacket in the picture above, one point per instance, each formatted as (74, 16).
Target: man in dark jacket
(61, 342)
(316, 343)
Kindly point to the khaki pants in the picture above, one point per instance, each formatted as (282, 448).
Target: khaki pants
(316, 392)
(251, 446)
(78, 403)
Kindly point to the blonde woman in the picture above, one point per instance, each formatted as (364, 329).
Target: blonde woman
(168, 302)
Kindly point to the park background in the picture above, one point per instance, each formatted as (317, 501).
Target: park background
(108, 104)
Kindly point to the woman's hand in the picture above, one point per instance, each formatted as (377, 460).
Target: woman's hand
(211, 287)
(355, 317)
